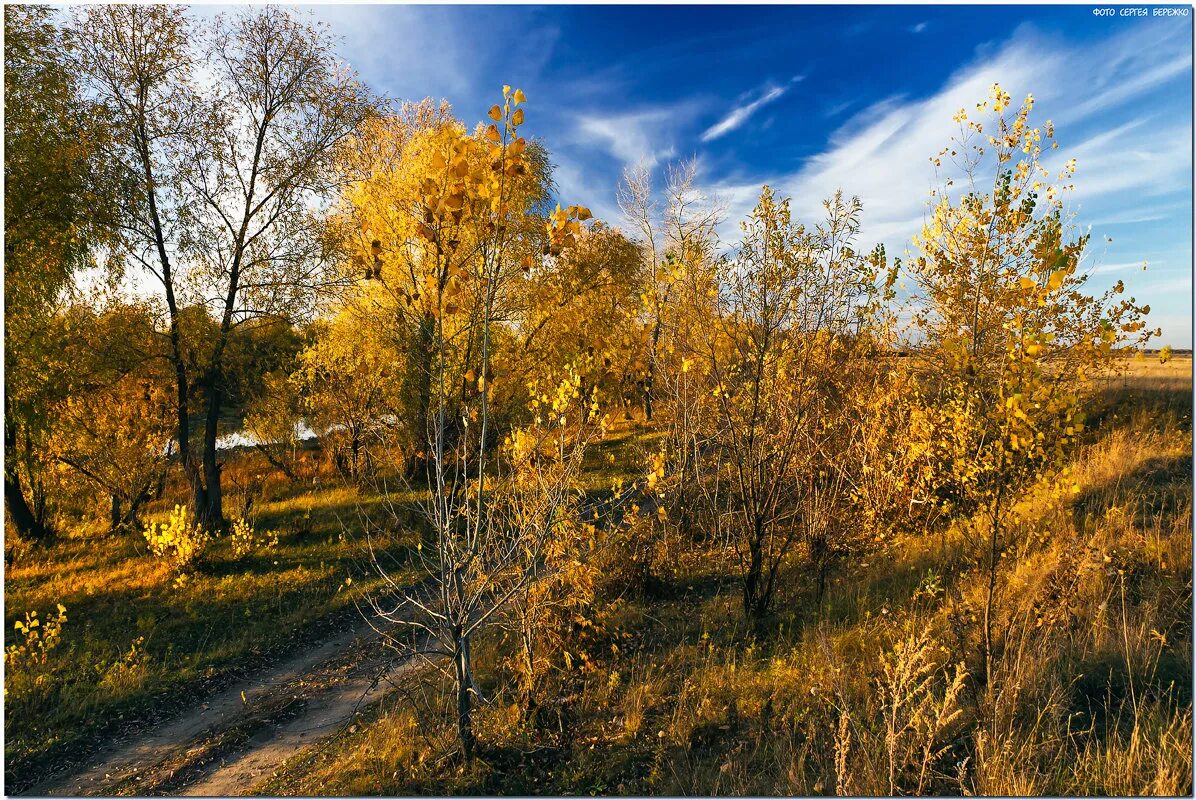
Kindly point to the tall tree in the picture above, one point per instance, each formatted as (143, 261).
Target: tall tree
(494, 501)
(682, 234)
(227, 136)
(52, 189)
(1011, 336)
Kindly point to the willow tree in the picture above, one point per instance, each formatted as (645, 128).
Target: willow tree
(113, 426)
(224, 135)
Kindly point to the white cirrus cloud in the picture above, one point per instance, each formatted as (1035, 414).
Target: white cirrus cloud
(882, 153)
(635, 137)
(742, 113)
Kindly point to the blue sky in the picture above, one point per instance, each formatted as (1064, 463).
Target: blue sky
(814, 98)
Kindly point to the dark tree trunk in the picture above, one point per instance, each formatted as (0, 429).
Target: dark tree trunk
(754, 603)
(22, 516)
(421, 357)
(209, 505)
(650, 378)
(114, 517)
(355, 457)
(28, 524)
(464, 676)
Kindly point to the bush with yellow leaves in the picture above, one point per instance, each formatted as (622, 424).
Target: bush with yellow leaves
(245, 539)
(177, 542)
(36, 640)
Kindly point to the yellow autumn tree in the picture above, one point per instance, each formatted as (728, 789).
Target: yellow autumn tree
(348, 383)
(778, 364)
(1009, 334)
(575, 309)
(460, 223)
(414, 171)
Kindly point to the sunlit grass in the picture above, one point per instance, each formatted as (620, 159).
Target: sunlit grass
(136, 642)
(692, 700)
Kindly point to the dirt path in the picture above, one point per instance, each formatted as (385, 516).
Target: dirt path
(284, 708)
(274, 744)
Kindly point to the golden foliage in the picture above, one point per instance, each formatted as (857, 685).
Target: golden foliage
(178, 542)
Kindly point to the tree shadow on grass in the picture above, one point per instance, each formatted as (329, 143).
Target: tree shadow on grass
(1157, 486)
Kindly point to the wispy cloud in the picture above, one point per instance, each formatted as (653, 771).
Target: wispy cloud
(881, 153)
(1109, 269)
(1137, 170)
(644, 136)
(741, 114)
(921, 26)
(838, 108)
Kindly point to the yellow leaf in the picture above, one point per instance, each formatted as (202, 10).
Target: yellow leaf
(583, 213)
(519, 97)
(517, 117)
(495, 112)
(492, 133)
(506, 90)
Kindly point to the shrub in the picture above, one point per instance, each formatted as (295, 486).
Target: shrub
(36, 640)
(245, 539)
(177, 542)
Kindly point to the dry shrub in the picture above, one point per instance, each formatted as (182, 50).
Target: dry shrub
(899, 738)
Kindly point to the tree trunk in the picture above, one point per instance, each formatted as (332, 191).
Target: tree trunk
(990, 594)
(354, 457)
(22, 516)
(131, 516)
(529, 666)
(464, 675)
(114, 516)
(209, 505)
(28, 524)
(421, 356)
(754, 604)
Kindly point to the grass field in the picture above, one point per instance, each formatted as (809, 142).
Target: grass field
(678, 696)
(675, 694)
(135, 644)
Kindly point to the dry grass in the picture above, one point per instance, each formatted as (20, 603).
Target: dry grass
(871, 696)
(135, 644)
